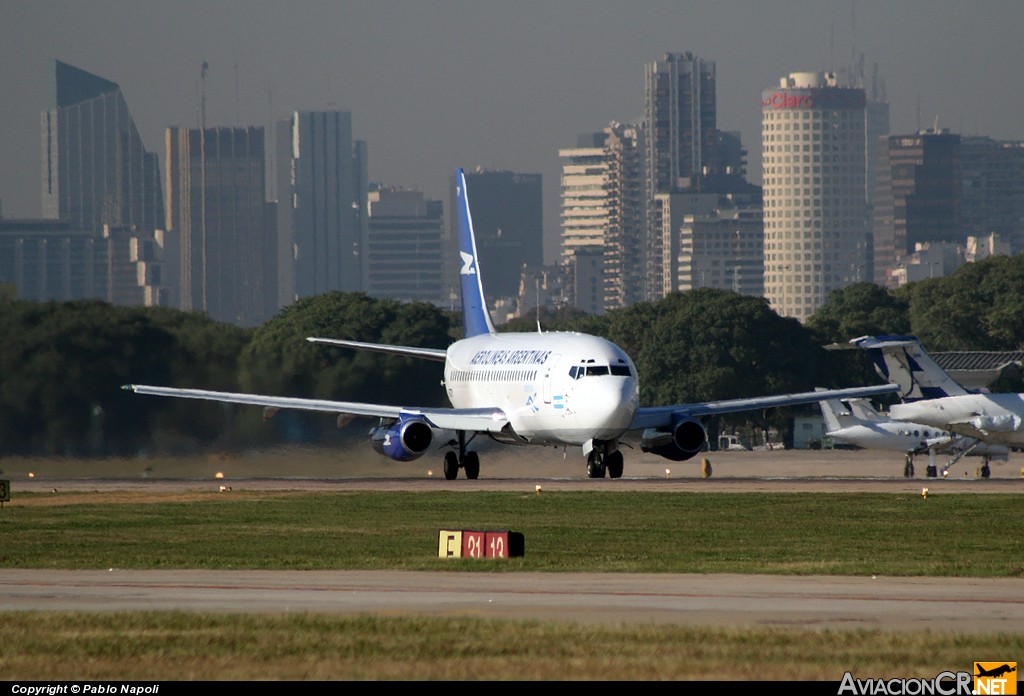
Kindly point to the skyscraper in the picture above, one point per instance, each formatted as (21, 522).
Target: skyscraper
(993, 194)
(95, 169)
(602, 214)
(322, 218)
(918, 197)
(680, 132)
(815, 204)
(101, 199)
(216, 204)
(402, 254)
(585, 175)
(508, 217)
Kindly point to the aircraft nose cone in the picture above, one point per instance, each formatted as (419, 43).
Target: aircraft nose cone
(612, 405)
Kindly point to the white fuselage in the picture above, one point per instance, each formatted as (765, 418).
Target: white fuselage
(555, 388)
(897, 437)
(910, 438)
(994, 418)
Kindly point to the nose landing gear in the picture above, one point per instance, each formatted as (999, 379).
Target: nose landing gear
(600, 460)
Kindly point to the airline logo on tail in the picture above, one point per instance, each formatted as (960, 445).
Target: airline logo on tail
(902, 360)
(476, 318)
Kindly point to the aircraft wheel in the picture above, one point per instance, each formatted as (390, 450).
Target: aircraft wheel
(985, 471)
(451, 466)
(908, 470)
(615, 465)
(595, 465)
(471, 463)
(932, 471)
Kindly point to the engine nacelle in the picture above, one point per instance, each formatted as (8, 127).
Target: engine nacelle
(686, 438)
(404, 440)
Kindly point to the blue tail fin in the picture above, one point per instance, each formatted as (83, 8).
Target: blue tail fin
(476, 318)
(903, 361)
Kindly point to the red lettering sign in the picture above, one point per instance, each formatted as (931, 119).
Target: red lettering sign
(784, 100)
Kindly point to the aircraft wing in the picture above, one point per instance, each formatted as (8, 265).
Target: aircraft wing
(412, 351)
(665, 416)
(469, 419)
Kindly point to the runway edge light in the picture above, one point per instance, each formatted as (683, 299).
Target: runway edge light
(462, 543)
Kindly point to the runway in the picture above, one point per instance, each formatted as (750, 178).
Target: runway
(958, 605)
(835, 603)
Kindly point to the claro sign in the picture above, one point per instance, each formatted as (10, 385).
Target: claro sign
(785, 100)
(829, 98)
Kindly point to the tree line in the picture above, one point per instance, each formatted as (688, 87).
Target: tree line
(62, 365)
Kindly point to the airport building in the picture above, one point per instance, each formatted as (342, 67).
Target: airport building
(321, 182)
(815, 204)
(216, 206)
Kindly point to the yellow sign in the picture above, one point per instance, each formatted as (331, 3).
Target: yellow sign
(449, 544)
(995, 678)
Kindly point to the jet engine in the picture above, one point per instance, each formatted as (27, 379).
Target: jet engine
(403, 440)
(685, 439)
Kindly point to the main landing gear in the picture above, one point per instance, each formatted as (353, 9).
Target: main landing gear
(468, 461)
(932, 470)
(600, 460)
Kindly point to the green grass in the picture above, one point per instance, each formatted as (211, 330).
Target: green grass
(780, 533)
(848, 534)
(183, 646)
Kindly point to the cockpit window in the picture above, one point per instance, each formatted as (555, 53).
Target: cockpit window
(590, 370)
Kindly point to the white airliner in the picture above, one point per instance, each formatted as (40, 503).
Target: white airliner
(856, 422)
(543, 388)
(931, 397)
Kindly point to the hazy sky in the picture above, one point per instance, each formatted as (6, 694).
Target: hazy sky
(437, 84)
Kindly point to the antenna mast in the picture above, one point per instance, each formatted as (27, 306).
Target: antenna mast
(202, 178)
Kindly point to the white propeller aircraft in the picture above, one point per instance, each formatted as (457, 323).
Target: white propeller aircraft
(856, 422)
(931, 397)
(543, 388)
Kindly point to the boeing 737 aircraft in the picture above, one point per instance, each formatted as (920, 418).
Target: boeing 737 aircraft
(931, 397)
(856, 422)
(543, 388)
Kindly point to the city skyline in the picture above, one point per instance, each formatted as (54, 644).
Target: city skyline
(433, 86)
